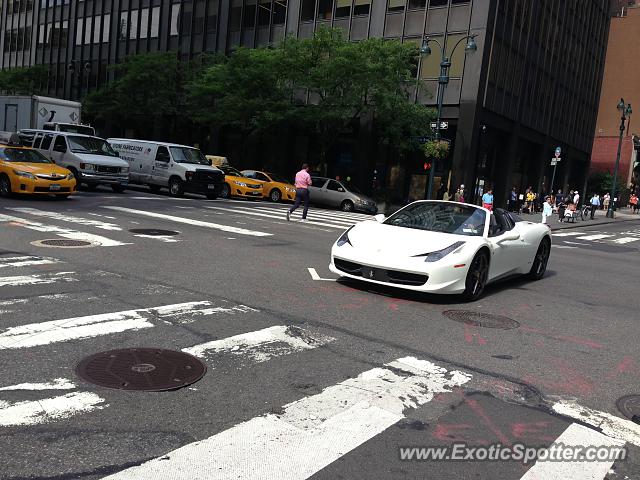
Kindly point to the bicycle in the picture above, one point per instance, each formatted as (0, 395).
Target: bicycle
(585, 212)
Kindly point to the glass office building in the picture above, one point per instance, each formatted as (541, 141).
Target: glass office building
(532, 85)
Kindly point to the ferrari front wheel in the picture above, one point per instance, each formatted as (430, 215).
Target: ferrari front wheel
(476, 277)
(541, 260)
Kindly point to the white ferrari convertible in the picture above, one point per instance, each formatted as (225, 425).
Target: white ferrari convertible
(442, 247)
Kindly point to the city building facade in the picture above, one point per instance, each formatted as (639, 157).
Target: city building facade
(532, 85)
(620, 81)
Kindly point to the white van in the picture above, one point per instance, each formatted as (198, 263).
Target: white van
(91, 159)
(178, 167)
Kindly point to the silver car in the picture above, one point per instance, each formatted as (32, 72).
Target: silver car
(334, 193)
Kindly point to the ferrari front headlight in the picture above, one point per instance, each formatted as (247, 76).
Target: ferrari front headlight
(345, 238)
(440, 254)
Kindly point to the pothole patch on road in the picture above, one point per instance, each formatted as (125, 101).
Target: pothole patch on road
(154, 232)
(146, 369)
(64, 243)
(481, 319)
(629, 406)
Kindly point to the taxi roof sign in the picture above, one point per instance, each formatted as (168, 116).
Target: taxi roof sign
(9, 138)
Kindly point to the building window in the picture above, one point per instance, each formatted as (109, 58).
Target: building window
(343, 8)
(249, 15)
(235, 17)
(457, 61)
(175, 18)
(396, 5)
(155, 22)
(264, 13)
(362, 7)
(306, 11)
(144, 22)
(415, 4)
(325, 9)
(279, 12)
(438, 3)
(430, 64)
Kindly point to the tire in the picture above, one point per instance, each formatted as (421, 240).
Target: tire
(117, 188)
(346, 206)
(225, 191)
(212, 196)
(154, 188)
(477, 276)
(5, 186)
(275, 195)
(176, 187)
(541, 260)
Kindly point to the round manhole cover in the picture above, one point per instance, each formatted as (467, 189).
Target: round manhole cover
(481, 319)
(154, 232)
(149, 369)
(629, 406)
(64, 243)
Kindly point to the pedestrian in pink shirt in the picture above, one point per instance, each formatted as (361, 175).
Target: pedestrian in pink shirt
(303, 180)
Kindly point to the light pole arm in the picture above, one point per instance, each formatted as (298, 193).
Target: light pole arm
(466, 37)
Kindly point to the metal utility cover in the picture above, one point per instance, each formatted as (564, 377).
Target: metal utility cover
(481, 319)
(147, 369)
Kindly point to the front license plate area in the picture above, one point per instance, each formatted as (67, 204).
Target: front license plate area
(54, 187)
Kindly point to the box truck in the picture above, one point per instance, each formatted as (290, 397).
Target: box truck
(18, 112)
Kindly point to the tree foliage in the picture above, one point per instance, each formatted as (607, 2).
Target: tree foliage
(24, 81)
(436, 149)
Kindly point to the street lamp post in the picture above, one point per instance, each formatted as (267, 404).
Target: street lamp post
(443, 80)
(625, 111)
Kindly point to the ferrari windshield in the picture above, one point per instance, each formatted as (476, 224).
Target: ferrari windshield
(440, 217)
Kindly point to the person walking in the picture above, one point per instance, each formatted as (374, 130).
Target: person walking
(633, 201)
(595, 203)
(302, 183)
(513, 200)
(487, 200)
(576, 199)
(547, 209)
(606, 201)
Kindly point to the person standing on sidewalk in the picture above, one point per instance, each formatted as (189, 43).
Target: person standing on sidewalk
(595, 203)
(547, 209)
(487, 200)
(302, 183)
(607, 200)
(513, 200)
(633, 201)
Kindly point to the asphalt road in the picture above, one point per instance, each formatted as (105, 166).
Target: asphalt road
(306, 376)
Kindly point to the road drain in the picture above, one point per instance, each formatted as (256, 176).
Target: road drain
(481, 319)
(147, 369)
(154, 232)
(629, 406)
(64, 243)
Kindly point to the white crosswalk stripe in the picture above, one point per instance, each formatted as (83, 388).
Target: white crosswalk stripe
(595, 237)
(36, 279)
(67, 218)
(625, 240)
(26, 261)
(281, 217)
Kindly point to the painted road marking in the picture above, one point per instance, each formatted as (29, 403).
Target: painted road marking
(577, 436)
(61, 232)
(315, 209)
(567, 234)
(329, 216)
(26, 261)
(595, 237)
(37, 279)
(56, 384)
(577, 243)
(563, 246)
(277, 217)
(66, 218)
(612, 426)
(329, 424)
(54, 331)
(315, 276)
(189, 221)
(49, 409)
(624, 240)
(262, 345)
(161, 238)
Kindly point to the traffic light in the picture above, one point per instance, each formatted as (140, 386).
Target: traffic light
(426, 166)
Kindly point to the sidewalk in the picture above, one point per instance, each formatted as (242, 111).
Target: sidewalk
(622, 215)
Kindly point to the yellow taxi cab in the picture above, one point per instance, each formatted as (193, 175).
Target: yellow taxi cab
(274, 187)
(235, 184)
(24, 170)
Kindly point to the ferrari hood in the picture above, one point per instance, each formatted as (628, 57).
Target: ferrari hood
(382, 239)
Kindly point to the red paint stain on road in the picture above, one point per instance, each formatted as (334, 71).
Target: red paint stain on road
(531, 431)
(480, 412)
(563, 338)
(625, 366)
(471, 336)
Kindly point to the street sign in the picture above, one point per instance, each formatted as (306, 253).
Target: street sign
(558, 151)
(555, 161)
(443, 125)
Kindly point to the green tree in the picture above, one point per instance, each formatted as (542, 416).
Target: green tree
(24, 81)
(147, 89)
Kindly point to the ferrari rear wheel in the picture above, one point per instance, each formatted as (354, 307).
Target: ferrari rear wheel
(541, 259)
(476, 277)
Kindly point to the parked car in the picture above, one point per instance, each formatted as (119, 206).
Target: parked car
(26, 171)
(180, 168)
(91, 159)
(335, 193)
(274, 187)
(237, 185)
